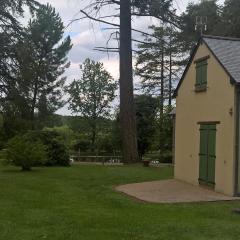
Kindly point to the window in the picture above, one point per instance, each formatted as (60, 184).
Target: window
(201, 74)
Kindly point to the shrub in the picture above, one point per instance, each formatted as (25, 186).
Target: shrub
(105, 143)
(3, 156)
(65, 135)
(23, 152)
(57, 154)
(82, 144)
(167, 157)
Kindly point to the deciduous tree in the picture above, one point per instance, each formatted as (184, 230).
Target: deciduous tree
(146, 112)
(92, 95)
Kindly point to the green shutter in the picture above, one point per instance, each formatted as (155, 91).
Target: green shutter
(198, 75)
(204, 73)
(207, 154)
(201, 73)
(211, 153)
(203, 153)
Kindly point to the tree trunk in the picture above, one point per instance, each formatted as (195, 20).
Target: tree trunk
(170, 75)
(162, 99)
(35, 92)
(162, 81)
(93, 138)
(127, 109)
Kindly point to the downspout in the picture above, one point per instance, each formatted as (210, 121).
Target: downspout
(237, 149)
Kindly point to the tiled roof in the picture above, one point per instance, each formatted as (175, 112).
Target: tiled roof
(227, 51)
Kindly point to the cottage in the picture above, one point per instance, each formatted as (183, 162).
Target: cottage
(207, 149)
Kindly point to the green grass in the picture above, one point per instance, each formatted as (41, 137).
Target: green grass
(79, 203)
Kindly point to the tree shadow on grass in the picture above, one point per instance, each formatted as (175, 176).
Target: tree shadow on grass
(20, 171)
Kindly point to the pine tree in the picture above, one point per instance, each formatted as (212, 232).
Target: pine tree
(42, 59)
(231, 18)
(10, 32)
(189, 35)
(156, 8)
(159, 61)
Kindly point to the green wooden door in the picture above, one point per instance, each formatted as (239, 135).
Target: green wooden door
(203, 154)
(207, 154)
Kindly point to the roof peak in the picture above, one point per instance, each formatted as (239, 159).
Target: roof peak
(221, 38)
(226, 50)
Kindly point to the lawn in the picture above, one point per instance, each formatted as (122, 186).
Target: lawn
(79, 203)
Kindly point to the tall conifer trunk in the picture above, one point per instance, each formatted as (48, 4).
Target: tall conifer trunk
(127, 109)
(162, 98)
(170, 73)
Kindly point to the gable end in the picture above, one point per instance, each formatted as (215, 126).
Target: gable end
(200, 42)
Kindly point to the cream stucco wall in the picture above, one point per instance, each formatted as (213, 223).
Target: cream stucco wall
(212, 105)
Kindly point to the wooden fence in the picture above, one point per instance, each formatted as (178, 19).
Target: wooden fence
(101, 159)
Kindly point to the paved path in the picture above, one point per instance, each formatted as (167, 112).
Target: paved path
(171, 191)
(98, 163)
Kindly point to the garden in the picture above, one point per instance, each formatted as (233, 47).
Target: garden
(58, 109)
(80, 202)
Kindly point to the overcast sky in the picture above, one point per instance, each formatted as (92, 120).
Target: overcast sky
(87, 34)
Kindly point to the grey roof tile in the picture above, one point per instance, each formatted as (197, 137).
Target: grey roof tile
(227, 50)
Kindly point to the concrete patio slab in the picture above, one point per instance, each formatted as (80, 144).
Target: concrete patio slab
(171, 191)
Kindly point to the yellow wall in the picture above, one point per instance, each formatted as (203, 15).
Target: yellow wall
(212, 105)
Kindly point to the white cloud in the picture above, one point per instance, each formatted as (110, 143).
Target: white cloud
(87, 34)
(112, 65)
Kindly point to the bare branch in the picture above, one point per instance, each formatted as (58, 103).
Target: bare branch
(98, 20)
(113, 24)
(158, 17)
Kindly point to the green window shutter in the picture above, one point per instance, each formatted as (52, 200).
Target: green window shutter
(201, 74)
(204, 73)
(198, 75)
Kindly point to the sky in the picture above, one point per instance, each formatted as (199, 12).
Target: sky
(86, 35)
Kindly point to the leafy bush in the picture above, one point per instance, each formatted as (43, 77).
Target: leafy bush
(23, 152)
(167, 157)
(2, 155)
(64, 134)
(2, 143)
(57, 154)
(83, 144)
(105, 143)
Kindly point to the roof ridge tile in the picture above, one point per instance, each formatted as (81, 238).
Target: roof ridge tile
(221, 38)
